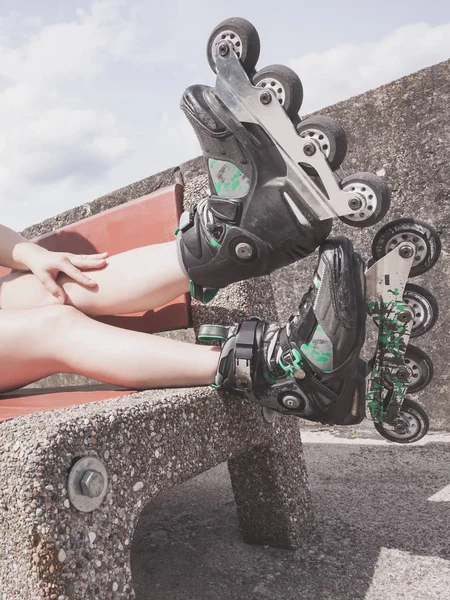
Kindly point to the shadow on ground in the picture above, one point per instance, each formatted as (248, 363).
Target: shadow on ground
(377, 535)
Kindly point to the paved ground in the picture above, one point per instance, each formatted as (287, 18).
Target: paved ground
(382, 530)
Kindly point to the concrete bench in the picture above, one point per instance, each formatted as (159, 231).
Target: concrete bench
(78, 465)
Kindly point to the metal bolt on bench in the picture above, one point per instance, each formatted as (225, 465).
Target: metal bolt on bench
(88, 484)
(92, 484)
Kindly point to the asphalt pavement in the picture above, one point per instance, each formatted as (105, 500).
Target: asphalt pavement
(382, 529)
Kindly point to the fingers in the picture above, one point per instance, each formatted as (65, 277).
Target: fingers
(50, 285)
(71, 270)
(74, 264)
(90, 261)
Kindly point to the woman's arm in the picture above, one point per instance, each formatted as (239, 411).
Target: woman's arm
(12, 248)
(18, 253)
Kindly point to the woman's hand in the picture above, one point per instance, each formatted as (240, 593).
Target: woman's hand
(46, 266)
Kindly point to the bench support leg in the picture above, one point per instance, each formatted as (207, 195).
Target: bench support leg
(271, 490)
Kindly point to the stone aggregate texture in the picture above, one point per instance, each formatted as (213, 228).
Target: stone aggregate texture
(380, 531)
(148, 442)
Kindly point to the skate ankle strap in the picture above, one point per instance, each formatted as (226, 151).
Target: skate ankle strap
(207, 333)
(244, 351)
(237, 359)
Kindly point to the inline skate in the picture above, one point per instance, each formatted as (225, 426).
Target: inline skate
(276, 186)
(311, 367)
(274, 178)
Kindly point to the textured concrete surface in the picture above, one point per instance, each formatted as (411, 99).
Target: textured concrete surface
(148, 442)
(379, 534)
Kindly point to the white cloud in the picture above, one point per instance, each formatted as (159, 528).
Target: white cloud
(177, 134)
(46, 137)
(350, 69)
(65, 143)
(60, 146)
(77, 49)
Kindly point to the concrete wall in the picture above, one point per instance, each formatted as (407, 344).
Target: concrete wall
(401, 130)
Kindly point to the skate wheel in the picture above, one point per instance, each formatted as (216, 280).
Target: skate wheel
(423, 307)
(376, 195)
(330, 136)
(413, 425)
(421, 368)
(423, 236)
(243, 37)
(286, 85)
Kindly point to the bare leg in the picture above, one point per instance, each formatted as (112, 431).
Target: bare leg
(35, 343)
(133, 281)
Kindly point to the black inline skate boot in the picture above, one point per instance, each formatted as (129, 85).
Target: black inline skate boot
(274, 185)
(228, 237)
(310, 367)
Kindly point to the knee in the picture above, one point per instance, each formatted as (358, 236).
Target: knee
(56, 317)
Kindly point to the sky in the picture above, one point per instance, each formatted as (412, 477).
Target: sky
(90, 90)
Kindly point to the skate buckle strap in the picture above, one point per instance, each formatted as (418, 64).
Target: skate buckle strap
(186, 220)
(245, 340)
(212, 332)
(295, 367)
(291, 359)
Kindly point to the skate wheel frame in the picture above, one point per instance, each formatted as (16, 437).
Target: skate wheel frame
(423, 307)
(285, 84)
(412, 425)
(426, 241)
(250, 104)
(243, 38)
(388, 380)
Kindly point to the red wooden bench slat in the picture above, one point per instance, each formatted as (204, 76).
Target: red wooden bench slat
(151, 219)
(11, 408)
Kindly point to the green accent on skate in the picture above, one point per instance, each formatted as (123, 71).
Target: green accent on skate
(214, 243)
(267, 377)
(209, 294)
(222, 366)
(319, 350)
(207, 336)
(215, 386)
(385, 388)
(296, 362)
(176, 232)
(229, 181)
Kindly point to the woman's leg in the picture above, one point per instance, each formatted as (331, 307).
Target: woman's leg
(36, 343)
(133, 281)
